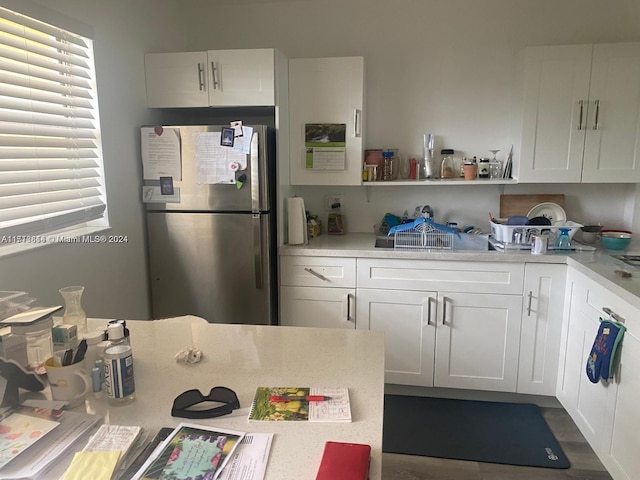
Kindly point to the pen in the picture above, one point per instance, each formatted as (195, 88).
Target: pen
(308, 398)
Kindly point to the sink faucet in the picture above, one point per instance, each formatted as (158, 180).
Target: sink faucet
(427, 211)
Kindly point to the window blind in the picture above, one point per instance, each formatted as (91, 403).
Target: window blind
(51, 173)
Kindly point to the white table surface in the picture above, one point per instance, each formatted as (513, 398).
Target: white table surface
(243, 357)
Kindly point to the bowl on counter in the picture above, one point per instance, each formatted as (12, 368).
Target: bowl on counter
(615, 239)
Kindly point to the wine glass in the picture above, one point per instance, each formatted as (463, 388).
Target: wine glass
(495, 166)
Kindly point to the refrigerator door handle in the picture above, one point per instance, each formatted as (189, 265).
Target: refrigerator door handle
(257, 250)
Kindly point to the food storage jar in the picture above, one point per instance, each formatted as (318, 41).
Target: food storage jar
(447, 165)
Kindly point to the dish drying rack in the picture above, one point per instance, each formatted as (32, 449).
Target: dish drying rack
(422, 237)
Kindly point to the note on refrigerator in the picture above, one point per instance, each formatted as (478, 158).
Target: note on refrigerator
(216, 163)
(161, 153)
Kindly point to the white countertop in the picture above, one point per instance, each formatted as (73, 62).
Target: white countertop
(244, 357)
(599, 265)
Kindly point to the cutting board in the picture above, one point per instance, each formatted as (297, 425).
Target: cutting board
(521, 204)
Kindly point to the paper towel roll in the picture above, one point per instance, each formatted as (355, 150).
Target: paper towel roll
(297, 221)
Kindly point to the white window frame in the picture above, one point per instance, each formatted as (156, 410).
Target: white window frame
(52, 183)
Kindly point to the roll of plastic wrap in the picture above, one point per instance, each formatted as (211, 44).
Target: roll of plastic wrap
(297, 221)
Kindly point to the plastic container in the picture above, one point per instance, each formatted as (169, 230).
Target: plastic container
(118, 363)
(505, 233)
(447, 163)
(39, 342)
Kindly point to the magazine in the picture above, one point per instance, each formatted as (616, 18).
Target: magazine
(300, 404)
(191, 451)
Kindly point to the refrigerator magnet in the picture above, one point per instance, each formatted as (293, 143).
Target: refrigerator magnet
(166, 186)
(226, 140)
(237, 128)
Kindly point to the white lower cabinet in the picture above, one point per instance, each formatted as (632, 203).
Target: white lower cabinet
(467, 338)
(317, 291)
(606, 413)
(408, 322)
(477, 341)
(544, 286)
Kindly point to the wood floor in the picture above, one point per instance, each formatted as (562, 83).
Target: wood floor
(584, 463)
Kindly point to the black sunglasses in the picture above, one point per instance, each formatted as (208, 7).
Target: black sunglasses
(193, 404)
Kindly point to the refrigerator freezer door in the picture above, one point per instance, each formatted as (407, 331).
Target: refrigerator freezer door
(218, 266)
(258, 190)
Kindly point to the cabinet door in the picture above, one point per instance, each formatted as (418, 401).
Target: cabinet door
(407, 320)
(241, 77)
(544, 287)
(612, 151)
(556, 90)
(623, 455)
(477, 341)
(317, 307)
(176, 79)
(326, 91)
(586, 402)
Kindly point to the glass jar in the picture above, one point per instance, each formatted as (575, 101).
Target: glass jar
(387, 166)
(447, 164)
(484, 168)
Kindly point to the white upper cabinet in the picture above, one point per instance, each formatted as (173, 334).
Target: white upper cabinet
(326, 91)
(215, 78)
(581, 114)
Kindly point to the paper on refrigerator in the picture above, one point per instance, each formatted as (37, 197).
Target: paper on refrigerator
(161, 153)
(214, 162)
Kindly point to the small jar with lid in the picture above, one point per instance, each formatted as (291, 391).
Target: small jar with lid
(447, 164)
(484, 168)
(387, 165)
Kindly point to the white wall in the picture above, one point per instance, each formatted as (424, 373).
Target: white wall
(114, 275)
(444, 67)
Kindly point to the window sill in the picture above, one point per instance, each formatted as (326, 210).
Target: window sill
(13, 244)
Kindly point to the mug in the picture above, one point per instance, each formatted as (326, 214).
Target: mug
(68, 384)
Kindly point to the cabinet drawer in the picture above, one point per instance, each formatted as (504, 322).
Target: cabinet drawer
(318, 271)
(442, 276)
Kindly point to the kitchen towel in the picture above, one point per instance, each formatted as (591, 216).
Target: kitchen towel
(297, 221)
(601, 360)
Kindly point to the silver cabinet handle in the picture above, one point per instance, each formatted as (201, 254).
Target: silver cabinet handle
(429, 301)
(213, 74)
(349, 316)
(581, 103)
(596, 122)
(613, 314)
(444, 310)
(529, 307)
(357, 119)
(201, 83)
(316, 274)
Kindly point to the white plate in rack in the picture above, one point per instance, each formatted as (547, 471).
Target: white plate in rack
(550, 210)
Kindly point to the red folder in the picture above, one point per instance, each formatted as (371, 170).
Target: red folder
(344, 461)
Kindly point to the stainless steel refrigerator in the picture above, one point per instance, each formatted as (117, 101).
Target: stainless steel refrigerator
(213, 253)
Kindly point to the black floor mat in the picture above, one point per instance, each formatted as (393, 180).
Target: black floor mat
(494, 432)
